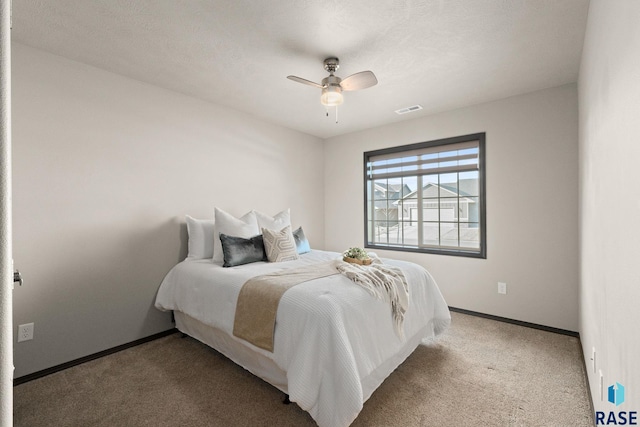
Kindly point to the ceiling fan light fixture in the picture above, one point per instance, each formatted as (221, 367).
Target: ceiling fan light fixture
(332, 86)
(331, 96)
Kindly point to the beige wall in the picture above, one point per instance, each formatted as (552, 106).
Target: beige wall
(105, 168)
(532, 204)
(609, 87)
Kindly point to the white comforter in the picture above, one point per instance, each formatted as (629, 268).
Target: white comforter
(330, 336)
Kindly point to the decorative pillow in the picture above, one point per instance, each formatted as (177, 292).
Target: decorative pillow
(238, 251)
(245, 227)
(277, 222)
(302, 244)
(200, 238)
(279, 245)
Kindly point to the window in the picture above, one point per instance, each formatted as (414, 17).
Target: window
(427, 197)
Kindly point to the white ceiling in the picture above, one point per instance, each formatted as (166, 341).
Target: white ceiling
(441, 54)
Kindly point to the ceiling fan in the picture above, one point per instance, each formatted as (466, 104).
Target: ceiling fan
(332, 86)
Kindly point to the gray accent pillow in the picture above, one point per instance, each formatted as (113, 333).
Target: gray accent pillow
(238, 250)
(302, 244)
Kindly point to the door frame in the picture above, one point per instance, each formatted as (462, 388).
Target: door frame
(6, 255)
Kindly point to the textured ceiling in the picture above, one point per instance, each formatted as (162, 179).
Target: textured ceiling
(440, 54)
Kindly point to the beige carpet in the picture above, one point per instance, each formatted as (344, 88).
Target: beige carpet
(480, 373)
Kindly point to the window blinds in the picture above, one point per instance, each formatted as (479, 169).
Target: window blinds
(455, 157)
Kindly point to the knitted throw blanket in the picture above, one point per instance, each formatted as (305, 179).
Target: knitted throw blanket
(383, 282)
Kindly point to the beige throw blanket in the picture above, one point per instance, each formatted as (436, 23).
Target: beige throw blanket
(258, 301)
(385, 283)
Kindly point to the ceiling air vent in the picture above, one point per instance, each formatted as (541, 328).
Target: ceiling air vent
(409, 109)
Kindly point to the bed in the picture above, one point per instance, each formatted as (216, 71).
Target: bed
(334, 344)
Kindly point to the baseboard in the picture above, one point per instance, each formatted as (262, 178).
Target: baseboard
(54, 369)
(516, 322)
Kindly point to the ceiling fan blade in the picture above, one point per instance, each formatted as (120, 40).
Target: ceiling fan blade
(357, 81)
(304, 81)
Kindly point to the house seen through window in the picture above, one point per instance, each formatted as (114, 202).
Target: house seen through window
(427, 197)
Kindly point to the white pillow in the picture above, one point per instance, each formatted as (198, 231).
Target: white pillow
(277, 222)
(279, 245)
(245, 227)
(200, 238)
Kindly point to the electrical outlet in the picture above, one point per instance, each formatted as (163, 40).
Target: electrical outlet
(25, 332)
(601, 385)
(502, 288)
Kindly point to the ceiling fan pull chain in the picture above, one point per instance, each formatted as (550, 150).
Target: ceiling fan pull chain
(327, 110)
(336, 114)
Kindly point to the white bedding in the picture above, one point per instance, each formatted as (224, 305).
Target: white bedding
(331, 336)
